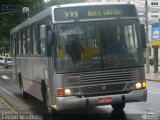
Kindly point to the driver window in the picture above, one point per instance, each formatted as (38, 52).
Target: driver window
(90, 40)
(131, 36)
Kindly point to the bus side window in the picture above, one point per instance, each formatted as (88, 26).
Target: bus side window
(34, 37)
(42, 40)
(17, 46)
(49, 41)
(24, 42)
(29, 41)
(19, 42)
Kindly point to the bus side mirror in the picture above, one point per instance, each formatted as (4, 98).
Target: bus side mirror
(143, 35)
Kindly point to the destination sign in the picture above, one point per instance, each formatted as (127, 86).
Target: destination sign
(94, 12)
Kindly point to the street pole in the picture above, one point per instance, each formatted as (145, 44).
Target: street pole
(155, 59)
(147, 49)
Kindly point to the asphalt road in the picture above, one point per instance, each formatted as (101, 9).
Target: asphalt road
(149, 110)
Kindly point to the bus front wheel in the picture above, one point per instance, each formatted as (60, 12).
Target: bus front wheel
(118, 106)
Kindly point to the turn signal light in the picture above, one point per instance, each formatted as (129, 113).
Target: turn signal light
(143, 84)
(60, 92)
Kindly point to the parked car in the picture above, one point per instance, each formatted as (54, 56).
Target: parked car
(151, 60)
(7, 62)
(2, 60)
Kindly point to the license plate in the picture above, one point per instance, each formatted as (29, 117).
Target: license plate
(105, 100)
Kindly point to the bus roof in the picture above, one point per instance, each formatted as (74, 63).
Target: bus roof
(33, 19)
(48, 12)
(91, 3)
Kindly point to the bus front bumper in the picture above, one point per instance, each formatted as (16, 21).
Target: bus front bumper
(73, 102)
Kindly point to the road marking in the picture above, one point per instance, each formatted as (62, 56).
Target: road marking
(153, 92)
(4, 77)
(8, 105)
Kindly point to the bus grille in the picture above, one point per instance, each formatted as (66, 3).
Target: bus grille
(107, 81)
(110, 76)
(102, 88)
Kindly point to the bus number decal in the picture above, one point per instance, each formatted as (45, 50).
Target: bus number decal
(71, 14)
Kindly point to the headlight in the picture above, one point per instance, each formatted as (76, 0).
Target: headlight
(67, 92)
(138, 86)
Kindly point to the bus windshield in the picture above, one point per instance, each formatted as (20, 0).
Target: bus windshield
(99, 45)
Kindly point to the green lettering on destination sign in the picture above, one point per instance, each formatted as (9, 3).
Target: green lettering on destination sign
(106, 12)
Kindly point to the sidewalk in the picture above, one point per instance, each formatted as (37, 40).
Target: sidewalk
(153, 76)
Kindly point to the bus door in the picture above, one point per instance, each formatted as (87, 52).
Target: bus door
(50, 54)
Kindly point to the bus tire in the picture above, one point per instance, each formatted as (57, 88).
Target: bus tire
(24, 94)
(47, 108)
(118, 106)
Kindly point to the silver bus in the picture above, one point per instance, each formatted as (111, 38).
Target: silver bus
(81, 55)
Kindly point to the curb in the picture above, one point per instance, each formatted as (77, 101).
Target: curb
(8, 104)
(15, 103)
(8, 92)
(5, 94)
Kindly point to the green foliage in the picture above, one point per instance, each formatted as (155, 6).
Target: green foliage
(12, 19)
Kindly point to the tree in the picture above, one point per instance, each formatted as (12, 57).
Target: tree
(11, 19)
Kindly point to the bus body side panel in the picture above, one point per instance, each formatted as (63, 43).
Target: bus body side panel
(33, 71)
(14, 73)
